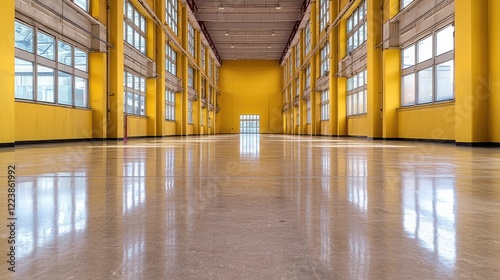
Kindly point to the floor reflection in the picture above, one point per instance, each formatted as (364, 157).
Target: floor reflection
(49, 208)
(249, 145)
(429, 215)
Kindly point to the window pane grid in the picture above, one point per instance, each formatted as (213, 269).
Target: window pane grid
(325, 59)
(169, 105)
(171, 14)
(134, 28)
(357, 28)
(171, 60)
(324, 15)
(428, 68)
(61, 69)
(325, 105)
(135, 94)
(357, 94)
(307, 36)
(191, 40)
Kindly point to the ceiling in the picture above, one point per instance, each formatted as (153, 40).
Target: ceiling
(249, 29)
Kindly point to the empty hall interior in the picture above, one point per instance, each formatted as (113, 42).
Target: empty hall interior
(250, 139)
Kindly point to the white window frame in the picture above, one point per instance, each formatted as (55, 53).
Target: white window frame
(416, 68)
(134, 87)
(324, 14)
(307, 77)
(191, 40)
(169, 105)
(325, 105)
(76, 67)
(171, 60)
(308, 111)
(137, 23)
(325, 59)
(171, 14)
(356, 91)
(191, 76)
(307, 37)
(357, 27)
(297, 57)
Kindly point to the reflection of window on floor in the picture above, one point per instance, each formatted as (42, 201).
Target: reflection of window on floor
(134, 192)
(52, 206)
(356, 180)
(429, 216)
(249, 124)
(249, 145)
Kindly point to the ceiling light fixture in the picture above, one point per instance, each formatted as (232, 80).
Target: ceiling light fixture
(269, 46)
(227, 33)
(273, 34)
(232, 46)
(221, 7)
(278, 7)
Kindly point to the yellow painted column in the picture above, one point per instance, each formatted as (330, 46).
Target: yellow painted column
(160, 71)
(374, 69)
(341, 94)
(332, 86)
(315, 123)
(116, 60)
(182, 69)
(471, 72)
(391, 80)
(7, 74)
(98, 82)
(151, 89)
(494, 69)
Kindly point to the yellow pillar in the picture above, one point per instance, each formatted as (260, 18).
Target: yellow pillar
(151, 93)
(98, 82)
(160, 70)
(471, 72)
(374, 69)
(116, 60)
(315, 123)
(494, 30)
(332, 86)
(341, 94)
(183, 61)
(391, 80)
(7, 74)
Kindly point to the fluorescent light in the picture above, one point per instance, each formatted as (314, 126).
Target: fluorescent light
(273, 34)
(278, 7)
(221, 7)
(232, 45)
(227, 33)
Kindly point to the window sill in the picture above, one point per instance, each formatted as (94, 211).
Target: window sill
(51, 104)
(427, 105)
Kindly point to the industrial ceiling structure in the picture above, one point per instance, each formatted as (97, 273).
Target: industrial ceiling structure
(249, 29)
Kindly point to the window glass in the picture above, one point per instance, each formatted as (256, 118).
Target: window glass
(64, 53)
(65, 86)
(409, 56)
(80, 60)
(425, 85)
(424, 49)
(445, 40)
(81, 92)
(45, 45)
(82, 4)
(45, 83)
(444, 81)
(24, 79)
(408, 97)
(24, 36)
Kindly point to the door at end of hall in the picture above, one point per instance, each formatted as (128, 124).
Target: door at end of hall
(249, 124)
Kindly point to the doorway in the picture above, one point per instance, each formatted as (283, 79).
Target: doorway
(249, 124)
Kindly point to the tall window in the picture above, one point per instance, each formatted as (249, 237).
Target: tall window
(190, 77)
(307, 33)
(357, 27)
(217, 75)
(135, 94)
(325, 106)
(325, 59)
(171, 14)
(357, 94)
(324, 14)
(190, 112)
(59, 68)
(191, 40)
(210, 68)
(171, 60)
(308, 77)
(309, 113)
(84, 4)
(134, 27)
(202, 88)
(297, 56)
(169, 105)
(427, 65)
(203, 58)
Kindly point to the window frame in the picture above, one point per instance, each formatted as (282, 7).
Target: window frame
(169, 105)
(325, 59)
(355, 92)
(354, 25)
(137, 91)
(76, 71)
(171, 17)
(325, 105)
(324, 14)
(417, 68)
(137, 22)
(171, 59)
(191, 40)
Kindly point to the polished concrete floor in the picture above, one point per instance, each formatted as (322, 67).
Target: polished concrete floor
(253, 207)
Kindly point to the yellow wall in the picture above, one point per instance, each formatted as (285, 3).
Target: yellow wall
(251, 87)
(137, 126)
(357, 126)
(494, 29)
(7, 73)
(45, 122)
(429, 122)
